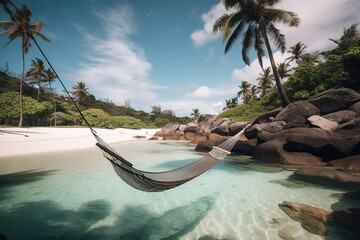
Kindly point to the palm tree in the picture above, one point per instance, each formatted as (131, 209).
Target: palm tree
(244, 90)
(267, 77)
(80, 91)
(50, 76)
(349, 34)
(283, 70)
(195, 114)
(36, 74)
(254, 91)
(297, 53)
(259, 18)
(264, 87)
(233, 102)
(20, 27)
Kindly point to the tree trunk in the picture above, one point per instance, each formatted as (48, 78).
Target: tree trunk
(21, 82)
(284, 98)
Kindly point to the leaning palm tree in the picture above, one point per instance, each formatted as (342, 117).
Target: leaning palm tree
(267, 76)
(195, 114)
(244, 90)
(233, 102)
(19, 26)
(36, 74)
(80, 91)
(297, 53)
(258, 16)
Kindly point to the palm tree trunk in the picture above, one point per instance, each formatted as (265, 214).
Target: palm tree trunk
(284, 98)
(21, 82)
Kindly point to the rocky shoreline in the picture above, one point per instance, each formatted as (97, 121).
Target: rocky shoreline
(319, 137)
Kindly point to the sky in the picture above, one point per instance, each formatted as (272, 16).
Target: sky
(162, 52)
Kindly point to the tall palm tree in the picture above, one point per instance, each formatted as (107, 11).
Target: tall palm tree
(259, 17)
(283, 70)
(36, 74)
(195, 114)
(245, 89)
(80, 91)
(297, 53)
(267, 76)
(19, 26)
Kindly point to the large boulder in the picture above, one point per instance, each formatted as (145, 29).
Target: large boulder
(192, 127)
(335, 100)
(273, 151)
(266, 117)
(323, 123)
(271, 127)
(297, 112)
(329, 174)
(352, 124)
(341, 117)
(204, 146)
(206, 122)
(236, 127)
(348, 163)
(222, 129)
(325, 144)
(169, 129)
(245, 147)
(356, 108)
(311, 218)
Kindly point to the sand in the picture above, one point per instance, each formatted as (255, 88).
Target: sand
(22, 141)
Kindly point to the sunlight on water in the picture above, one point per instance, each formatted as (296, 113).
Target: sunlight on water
(77, 195)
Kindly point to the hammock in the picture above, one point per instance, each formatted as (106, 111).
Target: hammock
(160, 181)
(146, 181)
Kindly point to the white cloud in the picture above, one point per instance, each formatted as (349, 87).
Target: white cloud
(319, 21)
(201, 92)
(202, 36)
(115, 67)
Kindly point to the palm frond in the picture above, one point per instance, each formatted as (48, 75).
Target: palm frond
(248, 42)
(281, 16)
(259, 46)
(43, 37)
(219, 24)
(7, 24)
(233, 19)
(277, 37)
(236, 33)
(228, 4)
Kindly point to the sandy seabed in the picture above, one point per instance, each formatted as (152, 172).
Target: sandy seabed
(22, 141)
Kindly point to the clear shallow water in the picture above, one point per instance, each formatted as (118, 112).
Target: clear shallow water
(77, 195)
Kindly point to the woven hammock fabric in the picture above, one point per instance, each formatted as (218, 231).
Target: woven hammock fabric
(161, 181)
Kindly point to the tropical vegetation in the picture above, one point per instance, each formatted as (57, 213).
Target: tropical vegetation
(19, 26)
(253, 21)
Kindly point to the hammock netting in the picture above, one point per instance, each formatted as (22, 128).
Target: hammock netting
(160, 181)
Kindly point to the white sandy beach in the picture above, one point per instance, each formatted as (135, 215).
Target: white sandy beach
(20, 141)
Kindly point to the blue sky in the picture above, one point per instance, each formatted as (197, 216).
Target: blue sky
(161, 52)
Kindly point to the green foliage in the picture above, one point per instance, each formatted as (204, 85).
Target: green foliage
(246, 112)
(34, 112)
(99, 118)
(126, 122)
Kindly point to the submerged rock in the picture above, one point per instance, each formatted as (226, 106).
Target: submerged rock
(329, 174)
(311, 218)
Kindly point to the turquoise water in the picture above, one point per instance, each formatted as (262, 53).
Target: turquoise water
(77, 195)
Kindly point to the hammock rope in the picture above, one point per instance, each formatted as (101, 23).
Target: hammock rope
(142, 180)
